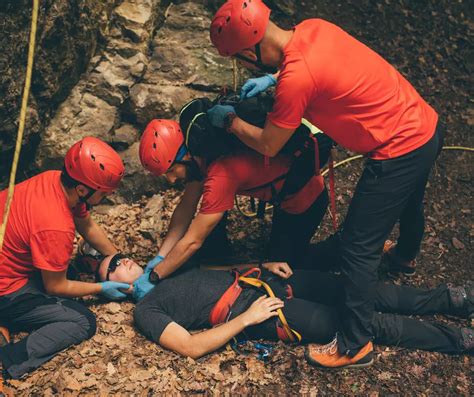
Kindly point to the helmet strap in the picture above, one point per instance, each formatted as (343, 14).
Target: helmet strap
(258, 63)
(83, 199)
(193, 169)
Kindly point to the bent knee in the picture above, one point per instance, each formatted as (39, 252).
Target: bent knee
(83, 318)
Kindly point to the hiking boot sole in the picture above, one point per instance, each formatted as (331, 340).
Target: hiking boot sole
(315, 364)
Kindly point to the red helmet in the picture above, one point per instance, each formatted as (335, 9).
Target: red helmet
(160, 144)
(94, 164)
(239, 24)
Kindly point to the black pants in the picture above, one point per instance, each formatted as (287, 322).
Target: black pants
(388, 191)
(291, 233)
(312, 312)
(54, 324)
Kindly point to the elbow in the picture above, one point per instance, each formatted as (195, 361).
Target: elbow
(53, 290)
(194, 352)
(269, 151)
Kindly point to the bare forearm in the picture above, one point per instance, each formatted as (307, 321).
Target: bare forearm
(96, 237)
(180, 253)
(208, 341)
(74, 289)
(178, 226)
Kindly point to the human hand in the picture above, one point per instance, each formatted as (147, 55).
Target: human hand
(113, 290)
(253, 87)
(217, 114)
(142, 286)
(281, 269)
(152, 264)
(262, 309)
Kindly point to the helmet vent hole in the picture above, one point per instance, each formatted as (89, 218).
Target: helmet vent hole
(220, 29)
(244, 5)
(102, 166)
(92, 157)
(156, 134)
(228, 19)
(154, 145)
(255, 31)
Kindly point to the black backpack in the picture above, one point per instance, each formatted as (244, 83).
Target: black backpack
(208, 142)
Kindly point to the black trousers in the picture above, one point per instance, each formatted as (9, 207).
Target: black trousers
(291, 233)
(388, 191)
(54, 324)
(312, 312)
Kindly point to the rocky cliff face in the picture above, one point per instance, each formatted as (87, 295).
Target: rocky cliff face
(106, 70)
(69, 34)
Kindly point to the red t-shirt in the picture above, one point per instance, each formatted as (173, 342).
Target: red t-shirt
(40, 230)
(350, 92)
(238, 174)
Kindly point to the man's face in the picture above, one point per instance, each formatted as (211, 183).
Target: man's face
(127, 271)
(177, 173)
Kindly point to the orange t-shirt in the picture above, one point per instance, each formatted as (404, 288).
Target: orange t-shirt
(242, 173)
(40, 230)
(350, 92)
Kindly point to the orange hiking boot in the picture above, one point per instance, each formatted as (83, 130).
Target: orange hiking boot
(327, 356)
(396, 264)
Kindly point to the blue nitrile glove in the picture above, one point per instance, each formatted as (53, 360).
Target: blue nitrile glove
(112, 290)
(217, 114)
(253, 87)
(142, 286)
(152, 264)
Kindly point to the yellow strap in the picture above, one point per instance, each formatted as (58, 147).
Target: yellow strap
(21, 127)
(188, 130)
(259, 284)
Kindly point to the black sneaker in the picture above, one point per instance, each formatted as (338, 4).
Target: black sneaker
(462, 300)
(467, 340)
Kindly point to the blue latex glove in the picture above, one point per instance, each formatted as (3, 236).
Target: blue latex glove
(113, 290)
(253, 87)
(217, 114)
(152, 264)
(142, 286)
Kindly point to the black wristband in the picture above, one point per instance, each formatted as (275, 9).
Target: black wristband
(228, 119)
(154, 277)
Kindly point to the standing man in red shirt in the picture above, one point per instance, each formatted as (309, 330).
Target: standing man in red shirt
(163, 152)
(364, 104)
(35, 294)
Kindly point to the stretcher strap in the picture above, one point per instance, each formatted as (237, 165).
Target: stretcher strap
(293, 336)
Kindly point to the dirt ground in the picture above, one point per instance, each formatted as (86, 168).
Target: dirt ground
(429, 43)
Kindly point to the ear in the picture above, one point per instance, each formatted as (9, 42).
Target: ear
(82, 190)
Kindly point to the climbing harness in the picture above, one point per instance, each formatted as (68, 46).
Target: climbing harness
(222, 310)
(21, 126)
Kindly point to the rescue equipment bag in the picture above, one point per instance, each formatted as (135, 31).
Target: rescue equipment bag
(309, 151)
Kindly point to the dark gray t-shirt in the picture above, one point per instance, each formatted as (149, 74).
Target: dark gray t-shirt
(187, 299)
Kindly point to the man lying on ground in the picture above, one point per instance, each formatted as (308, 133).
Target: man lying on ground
(196, 299)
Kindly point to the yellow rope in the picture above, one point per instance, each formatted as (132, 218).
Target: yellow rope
(21, 127)
(252, 214)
